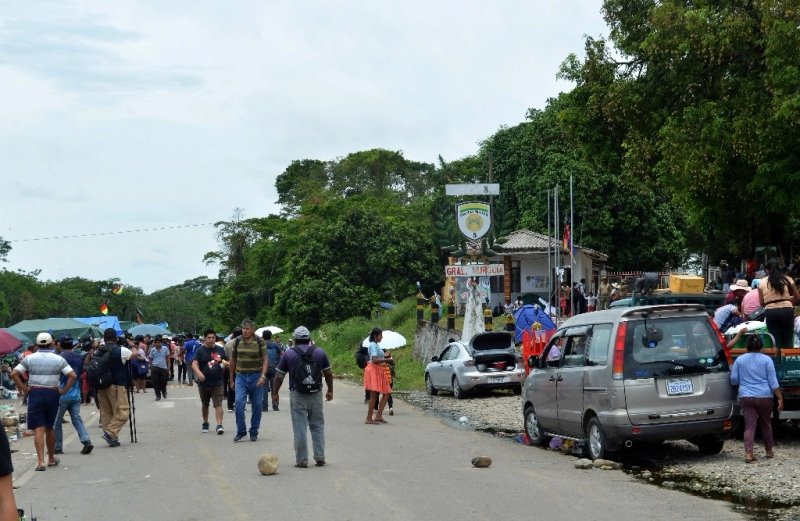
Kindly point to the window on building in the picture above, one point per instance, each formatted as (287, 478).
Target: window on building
(496, 283)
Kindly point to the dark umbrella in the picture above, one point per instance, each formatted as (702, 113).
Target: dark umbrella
(8, 343)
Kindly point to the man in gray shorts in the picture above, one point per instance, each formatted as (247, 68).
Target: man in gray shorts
(207, 366)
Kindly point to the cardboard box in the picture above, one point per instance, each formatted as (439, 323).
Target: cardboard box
(686, 284)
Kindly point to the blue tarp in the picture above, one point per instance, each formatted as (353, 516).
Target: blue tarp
(103, 322)
(525, 317)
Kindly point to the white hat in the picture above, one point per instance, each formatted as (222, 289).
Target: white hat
(741, 284)
(44, 339)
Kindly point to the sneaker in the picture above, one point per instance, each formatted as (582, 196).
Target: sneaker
(253, 437)
(391, 411)
(320, 463)
(275, 407)
(112, 442)
(205, 427)
(58, 451)
(87, 447)
(230, 409)
(220, 430)
(238, 438)
(301, 464)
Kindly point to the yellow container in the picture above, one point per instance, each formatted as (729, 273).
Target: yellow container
(686, 284)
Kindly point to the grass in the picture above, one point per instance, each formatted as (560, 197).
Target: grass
(340, 340)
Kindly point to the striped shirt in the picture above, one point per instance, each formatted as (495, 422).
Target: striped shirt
(248, 354)
(44, 368)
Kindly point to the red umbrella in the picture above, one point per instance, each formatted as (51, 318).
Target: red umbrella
(8, 343)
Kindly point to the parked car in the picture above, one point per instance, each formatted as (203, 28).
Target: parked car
(488, 361)
(624, 375)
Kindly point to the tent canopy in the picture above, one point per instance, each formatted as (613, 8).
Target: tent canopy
(56, 327)
(526, 316)
(103, 322)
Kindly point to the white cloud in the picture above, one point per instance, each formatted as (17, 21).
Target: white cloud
(123, 115)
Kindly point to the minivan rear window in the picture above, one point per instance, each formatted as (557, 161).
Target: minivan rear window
(672, 346)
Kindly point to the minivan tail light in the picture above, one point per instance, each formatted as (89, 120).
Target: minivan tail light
(619, 350)
(469, 363)
(723, 343)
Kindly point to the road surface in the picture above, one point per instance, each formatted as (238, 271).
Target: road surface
(416, 468)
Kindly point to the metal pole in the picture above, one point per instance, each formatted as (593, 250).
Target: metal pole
(549, 264)
(571, 246)
(557, 222)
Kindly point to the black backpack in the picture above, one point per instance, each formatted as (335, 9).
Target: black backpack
(307, 374)
(362, 356)
(98, 372)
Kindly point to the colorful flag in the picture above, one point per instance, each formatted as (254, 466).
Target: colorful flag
(104, 308)
(565, 244)
(117, 289)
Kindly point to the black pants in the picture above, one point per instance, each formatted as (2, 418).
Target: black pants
(181, 372)
(159, 377)
(780, 322)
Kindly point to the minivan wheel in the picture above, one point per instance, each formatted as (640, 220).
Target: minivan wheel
(598, 446)
(710, 445)
(458, 392)
(532, 427)
(433, 391)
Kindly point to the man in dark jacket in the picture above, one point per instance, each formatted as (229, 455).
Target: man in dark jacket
(114, 406)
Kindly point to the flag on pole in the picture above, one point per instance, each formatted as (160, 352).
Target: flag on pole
(565, 244)
(104, 308)
(117, 289)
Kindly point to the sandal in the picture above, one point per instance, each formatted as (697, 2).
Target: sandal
(55, 463)
(371, 422)
(41, 468)
(750, 459)
(770, 454)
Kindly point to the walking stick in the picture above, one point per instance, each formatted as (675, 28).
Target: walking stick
(132, 405)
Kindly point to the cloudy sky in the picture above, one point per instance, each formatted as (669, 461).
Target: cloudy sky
(165, 116)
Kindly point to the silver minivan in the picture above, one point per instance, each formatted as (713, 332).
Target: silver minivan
(624, 375)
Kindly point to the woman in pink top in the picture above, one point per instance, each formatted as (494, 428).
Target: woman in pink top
(778, 294)
(751, 301)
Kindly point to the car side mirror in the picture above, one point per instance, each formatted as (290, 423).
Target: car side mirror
(533, 361)
(434, 359)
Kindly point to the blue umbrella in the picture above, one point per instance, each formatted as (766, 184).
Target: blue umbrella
(149, 329)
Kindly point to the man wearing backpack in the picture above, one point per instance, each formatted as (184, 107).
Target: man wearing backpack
(306, 365)
(274, 353)
(114, 406)
(248, 372)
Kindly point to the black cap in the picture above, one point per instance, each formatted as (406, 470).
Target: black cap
(65, 339)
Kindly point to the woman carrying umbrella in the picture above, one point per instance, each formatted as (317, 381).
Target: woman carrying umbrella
(375, 378)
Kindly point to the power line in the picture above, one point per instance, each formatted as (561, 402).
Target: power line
(118, 232)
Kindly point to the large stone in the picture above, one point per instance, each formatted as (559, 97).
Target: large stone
(600, 463)
(268, 464)
(584, 464)
(482, 462)
(10, 421)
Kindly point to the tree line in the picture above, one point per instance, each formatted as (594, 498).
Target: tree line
(681, 134)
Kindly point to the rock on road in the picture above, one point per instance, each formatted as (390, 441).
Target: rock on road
(416, 468)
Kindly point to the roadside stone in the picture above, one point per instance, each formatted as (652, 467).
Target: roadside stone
(600, 463)
(647, 474)
(584, 464)
(668, 484)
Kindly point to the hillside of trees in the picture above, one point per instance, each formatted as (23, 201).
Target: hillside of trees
(681, 132)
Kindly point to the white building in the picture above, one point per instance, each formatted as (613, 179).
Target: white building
(525, 259)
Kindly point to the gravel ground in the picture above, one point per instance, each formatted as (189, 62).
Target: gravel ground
(769, 488)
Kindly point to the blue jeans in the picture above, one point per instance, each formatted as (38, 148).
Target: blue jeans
(246, 387)
(73, 405)
(307, 415)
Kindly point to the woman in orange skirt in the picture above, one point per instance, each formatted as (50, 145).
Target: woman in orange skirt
(375, 378)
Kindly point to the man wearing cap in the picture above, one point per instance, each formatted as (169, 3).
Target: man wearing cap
(114, 406)
(71, 400)
(158, 366)
(44, 369)
(305, 407)
(248, 373)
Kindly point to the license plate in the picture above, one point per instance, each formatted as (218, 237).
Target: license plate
(682, 386)
(498, 379)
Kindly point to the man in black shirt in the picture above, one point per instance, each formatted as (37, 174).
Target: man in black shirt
(8, 506)
(207, 366)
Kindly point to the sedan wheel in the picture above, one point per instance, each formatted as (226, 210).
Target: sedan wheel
(532, 427)
(429, 386)
(458, 392)
(597, 440)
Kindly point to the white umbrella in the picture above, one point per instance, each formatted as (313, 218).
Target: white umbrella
(391, 340)
(275, 330)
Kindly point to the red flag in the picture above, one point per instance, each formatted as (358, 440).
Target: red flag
(104, 308)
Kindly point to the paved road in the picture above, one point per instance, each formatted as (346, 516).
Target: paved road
(416, 468)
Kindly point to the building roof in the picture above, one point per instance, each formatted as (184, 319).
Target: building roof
(522, 242)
